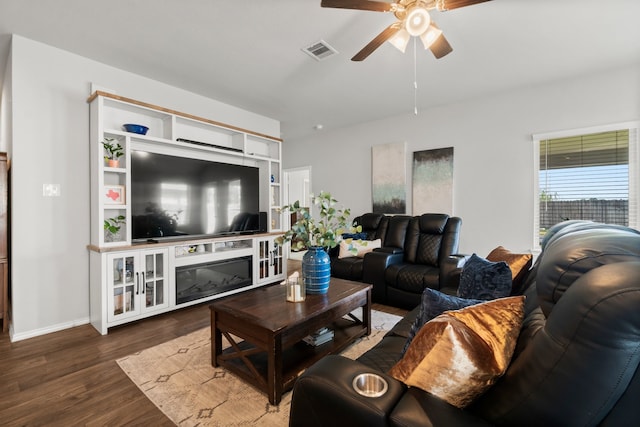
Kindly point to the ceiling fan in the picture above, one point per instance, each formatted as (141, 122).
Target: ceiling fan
(413, 20)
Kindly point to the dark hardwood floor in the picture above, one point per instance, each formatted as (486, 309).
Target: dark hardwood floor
(70, 378)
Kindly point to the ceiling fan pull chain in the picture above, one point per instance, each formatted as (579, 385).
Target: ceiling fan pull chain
(415, 78)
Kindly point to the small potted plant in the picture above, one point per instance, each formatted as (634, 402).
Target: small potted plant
(114, 152)
(112, 227)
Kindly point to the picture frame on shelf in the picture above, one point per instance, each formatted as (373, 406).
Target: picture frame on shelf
(113, 195)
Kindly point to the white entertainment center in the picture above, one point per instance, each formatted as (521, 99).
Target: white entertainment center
(132, 280)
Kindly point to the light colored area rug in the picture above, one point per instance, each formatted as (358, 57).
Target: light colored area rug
(178, 378)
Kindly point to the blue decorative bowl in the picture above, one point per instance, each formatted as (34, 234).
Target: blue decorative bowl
(142, 130)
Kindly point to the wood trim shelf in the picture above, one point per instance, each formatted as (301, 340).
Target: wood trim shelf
(179, 113)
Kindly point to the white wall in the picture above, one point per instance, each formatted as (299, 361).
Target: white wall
(297, 186)
(493, 156)
(49, 143)
(5, 108)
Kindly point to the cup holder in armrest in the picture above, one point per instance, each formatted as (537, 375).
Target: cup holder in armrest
(370, 385)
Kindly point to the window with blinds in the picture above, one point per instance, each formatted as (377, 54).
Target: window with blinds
(589, 177)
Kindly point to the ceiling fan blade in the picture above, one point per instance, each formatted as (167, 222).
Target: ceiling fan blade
(376, 6)
(440, 47)
(444, 5)
(385, 35)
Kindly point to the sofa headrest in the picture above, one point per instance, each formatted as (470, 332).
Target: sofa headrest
(369, 221)
(569, 255)
(432, 223)
(560, 228)
(566, 227)
(396, 231)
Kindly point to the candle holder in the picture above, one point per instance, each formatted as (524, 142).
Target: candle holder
(295, 290)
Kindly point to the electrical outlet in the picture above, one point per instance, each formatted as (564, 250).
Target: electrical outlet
(51, 190)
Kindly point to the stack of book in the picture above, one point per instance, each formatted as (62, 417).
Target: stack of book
(319, 337)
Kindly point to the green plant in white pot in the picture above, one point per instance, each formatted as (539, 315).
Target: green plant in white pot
(317, 235)
(114, 152)
(112, 227)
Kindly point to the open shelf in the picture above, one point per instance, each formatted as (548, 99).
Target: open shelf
(295, 358)
(194, 249)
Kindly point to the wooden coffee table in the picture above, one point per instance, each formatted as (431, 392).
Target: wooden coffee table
(265, 332)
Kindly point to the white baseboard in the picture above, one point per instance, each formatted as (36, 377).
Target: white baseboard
(43, 331)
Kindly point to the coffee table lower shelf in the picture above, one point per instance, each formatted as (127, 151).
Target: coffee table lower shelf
(295, 359)
(266, 332)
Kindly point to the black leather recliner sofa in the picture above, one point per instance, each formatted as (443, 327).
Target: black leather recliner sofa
(576, 361)
(417, 252)
(428, 260)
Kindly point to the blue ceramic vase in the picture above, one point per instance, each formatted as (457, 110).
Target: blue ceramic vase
(316, 270)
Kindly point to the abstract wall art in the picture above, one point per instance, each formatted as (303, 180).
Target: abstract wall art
(433, 181)
(388, 176)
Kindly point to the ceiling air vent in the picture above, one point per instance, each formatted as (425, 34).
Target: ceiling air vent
(319, 50)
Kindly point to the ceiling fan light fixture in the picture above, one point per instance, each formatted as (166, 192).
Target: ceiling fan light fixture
(430, 36)
(400, 40)
(417, 20)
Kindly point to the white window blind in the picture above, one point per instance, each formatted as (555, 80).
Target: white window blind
(591, 176)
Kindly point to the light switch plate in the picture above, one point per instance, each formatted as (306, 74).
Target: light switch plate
(51, 190)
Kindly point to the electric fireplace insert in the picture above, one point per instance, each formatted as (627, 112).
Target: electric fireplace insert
(203, 280)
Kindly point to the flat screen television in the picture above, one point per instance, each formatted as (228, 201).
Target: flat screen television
(174, 197)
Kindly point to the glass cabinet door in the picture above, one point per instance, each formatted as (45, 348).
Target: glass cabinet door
(263, 259)
(154, 272)
(277, 259)
(271, 263)
(123, 287)
(137, 283)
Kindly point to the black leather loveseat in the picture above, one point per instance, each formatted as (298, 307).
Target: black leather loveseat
(416, 252)
(576, 359)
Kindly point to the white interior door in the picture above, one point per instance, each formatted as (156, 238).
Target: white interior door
(297, 186)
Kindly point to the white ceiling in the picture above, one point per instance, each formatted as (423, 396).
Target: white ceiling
(247, 53)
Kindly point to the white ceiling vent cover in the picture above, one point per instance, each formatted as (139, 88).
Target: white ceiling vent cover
(319, 50)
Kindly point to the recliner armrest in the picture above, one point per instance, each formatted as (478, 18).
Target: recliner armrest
(421, 409)
(324, 396)
(389, 250)
(373, 267)
(450, 271)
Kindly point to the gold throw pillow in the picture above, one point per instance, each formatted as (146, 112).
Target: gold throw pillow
(518, 263)
(458, 355)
